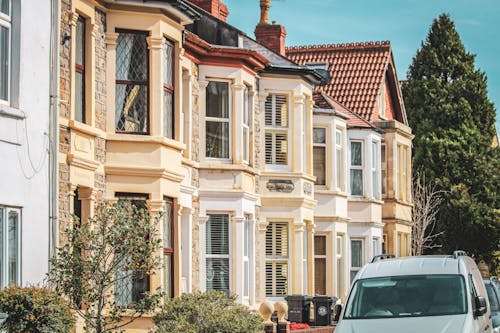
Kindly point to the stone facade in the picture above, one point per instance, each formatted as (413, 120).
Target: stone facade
(100, 71)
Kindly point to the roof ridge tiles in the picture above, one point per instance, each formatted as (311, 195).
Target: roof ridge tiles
(339, 46)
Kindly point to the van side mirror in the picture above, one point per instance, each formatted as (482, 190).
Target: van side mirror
(336, 312)
(480, 306)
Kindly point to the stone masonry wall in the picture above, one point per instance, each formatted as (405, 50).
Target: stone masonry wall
(65, 61)
(100, 71)
(195, 177)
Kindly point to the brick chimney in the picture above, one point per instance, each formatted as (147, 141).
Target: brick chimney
(215, 7)
(271, 35)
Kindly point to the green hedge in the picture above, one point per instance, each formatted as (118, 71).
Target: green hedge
(35, 310)
(210, 312)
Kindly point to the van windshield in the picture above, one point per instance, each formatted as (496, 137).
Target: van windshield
(407, 296)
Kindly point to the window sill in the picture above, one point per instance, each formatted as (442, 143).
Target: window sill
(364, 199)
(10, 112)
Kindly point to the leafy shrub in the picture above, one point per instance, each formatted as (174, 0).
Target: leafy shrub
(35, 310)
(210, 312)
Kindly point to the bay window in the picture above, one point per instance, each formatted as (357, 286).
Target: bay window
(5, 49)
(277, 259)
(319, 155)
(217, 252)
(357, 168)
(10, 246)
(276, 129)
(80, 70)
(217, 120)
(403, 174)
(132, 83)
(168, 89)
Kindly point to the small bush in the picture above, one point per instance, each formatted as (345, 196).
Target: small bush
(35, 310)
(210, 312)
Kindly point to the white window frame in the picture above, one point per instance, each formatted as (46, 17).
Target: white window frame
(221, 256)
(357, 167)
(374, 171)
(246, 124)
(6, 22)
(356, 268)
(339, 151)
(283, 260)
(273, 130)
(228, 120)
(4, 211)
(340, 264)
(324, 145)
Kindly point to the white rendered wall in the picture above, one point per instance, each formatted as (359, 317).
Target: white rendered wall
(23, 137)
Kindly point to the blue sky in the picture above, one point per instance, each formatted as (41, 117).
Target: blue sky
(403, 22)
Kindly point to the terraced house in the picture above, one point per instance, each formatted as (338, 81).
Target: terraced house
(363, 81)
(272, 184)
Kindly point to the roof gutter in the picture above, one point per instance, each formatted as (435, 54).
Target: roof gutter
(311, 75)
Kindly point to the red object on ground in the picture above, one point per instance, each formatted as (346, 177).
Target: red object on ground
(297, 326)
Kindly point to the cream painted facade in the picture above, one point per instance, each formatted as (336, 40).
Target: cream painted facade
(331, 213)
(365, 228)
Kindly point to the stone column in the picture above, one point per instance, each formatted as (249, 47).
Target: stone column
(297, 269)
(310, 257)
(155, 208)
(187, 122)
(202, 112)
(237, 123)
(111, 38)
(156, 120)
(87, 196)
(202, 220)
(252, 255)
(236, 250)
(186, 246)
(260, 254)
(297, 140)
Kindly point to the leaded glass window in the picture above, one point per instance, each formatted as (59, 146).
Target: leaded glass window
(80, 70)
(132, 83)
(168, 89)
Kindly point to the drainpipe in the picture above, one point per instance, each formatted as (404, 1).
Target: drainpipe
(54, 128)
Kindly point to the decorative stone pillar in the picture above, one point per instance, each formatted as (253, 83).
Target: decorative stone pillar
(237, 123)
(111, 41)
(310, 257)
(186, 248)
(297, 277)
(186, 118)
(202, 112)
(260, 253)
(298, 137)
(202, 225)
(236, 250)
(155, 208)
(87, 196)
(155, 45)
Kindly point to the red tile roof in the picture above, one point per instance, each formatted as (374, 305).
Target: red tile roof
(356, 71)
(322, 101)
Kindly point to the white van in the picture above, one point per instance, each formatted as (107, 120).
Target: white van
(428, 294)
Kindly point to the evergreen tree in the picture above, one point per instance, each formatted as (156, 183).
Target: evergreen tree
(453, 122)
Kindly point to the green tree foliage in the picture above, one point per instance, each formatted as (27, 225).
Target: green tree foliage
(210, 312)
(35, 310)
(113, 247)
(453, 122)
